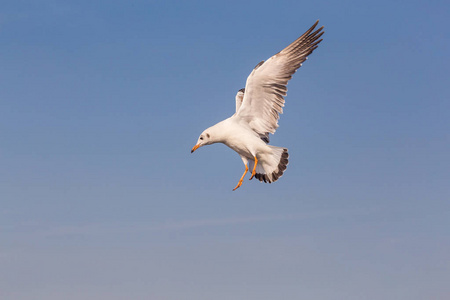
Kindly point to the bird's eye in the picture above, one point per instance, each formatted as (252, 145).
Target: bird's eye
(201, 138)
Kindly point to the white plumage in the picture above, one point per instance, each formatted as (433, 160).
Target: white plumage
(257, 111)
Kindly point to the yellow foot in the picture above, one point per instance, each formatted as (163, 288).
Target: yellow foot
(254, 169)
(242, 178)
(238, 185)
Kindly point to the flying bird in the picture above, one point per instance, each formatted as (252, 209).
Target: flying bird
(258, 106)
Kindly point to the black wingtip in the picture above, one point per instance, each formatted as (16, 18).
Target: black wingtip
(315, 24)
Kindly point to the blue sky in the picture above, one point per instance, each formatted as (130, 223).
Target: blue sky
(101, 102)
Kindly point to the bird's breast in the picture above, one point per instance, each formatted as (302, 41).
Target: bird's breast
(245, 144)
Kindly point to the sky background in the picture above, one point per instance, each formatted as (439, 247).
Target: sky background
(100, 197)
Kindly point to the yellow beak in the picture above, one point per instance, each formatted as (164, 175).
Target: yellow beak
(195, 148)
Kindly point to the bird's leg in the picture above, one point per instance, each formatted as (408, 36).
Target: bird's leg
(254, 168)
(242, 178)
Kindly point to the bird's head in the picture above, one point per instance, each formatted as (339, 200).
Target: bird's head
(204, 139)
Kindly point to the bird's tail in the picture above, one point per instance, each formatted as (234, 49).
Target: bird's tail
(272, 166)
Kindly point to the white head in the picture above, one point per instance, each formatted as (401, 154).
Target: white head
(206, 138)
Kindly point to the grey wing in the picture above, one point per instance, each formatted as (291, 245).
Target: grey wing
(266, 85)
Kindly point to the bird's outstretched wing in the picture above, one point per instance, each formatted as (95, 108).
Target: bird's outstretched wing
(266, 85)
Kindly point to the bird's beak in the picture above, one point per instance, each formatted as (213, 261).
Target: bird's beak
(195, 148)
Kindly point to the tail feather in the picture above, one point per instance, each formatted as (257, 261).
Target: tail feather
(273, 166)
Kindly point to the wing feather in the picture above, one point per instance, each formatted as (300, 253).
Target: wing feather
(239, 98)
(265, 88)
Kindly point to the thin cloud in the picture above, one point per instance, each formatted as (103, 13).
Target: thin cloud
(182, 225)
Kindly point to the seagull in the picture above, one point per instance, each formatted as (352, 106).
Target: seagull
(258, 106)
